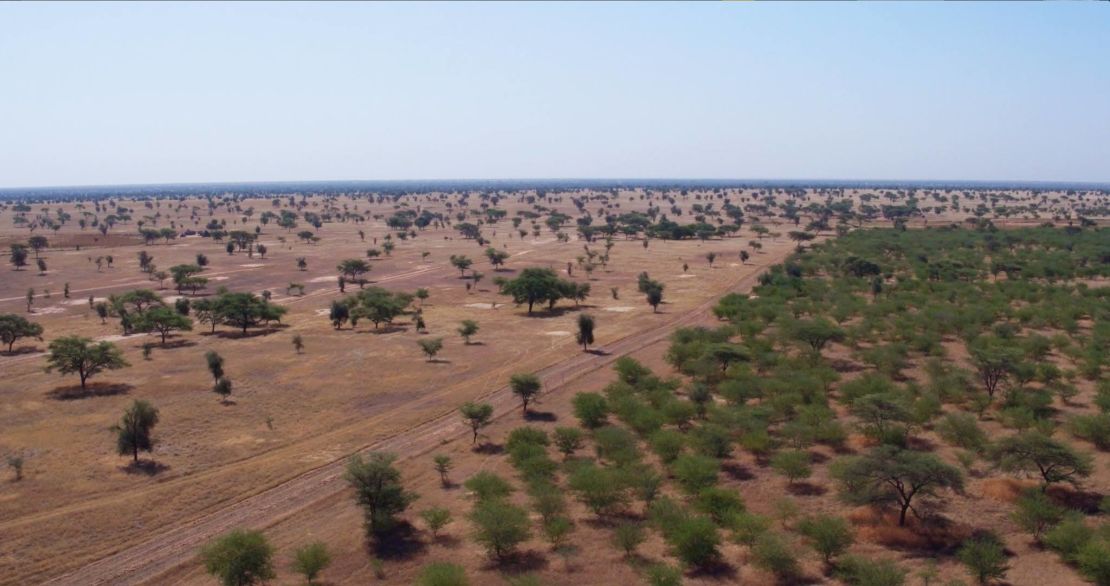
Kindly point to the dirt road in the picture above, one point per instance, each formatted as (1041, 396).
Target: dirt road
(145, 562)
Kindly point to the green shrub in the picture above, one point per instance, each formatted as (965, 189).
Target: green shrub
(598, 488)
(310, 560)
(695, 541)
(1068, 537)
(695, 473)
(793, 464)
(963, 431)
(985, 557)
(721, 504)
(499, 526)
(1094, 428)
(442, 574)
(664, 575)
(1036, 513)
(239, 558)
(616, 444)
(591, 409)
(771, 553)
(526, 435)
(486, 485)
(860, 571)
(628, 536)
(829, 536)
(747, 528)
(1093, 559)
(667, 444)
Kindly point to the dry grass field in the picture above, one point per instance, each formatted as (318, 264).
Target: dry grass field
(271, 457)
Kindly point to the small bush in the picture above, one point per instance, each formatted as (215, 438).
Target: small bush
(695, 473)
(487, 486)
(985, 557)
(627, 537)
(772, 554)
(860, 571)
(442, 574)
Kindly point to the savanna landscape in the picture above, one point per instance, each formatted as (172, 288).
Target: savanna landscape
(554, 293)
(657, 384)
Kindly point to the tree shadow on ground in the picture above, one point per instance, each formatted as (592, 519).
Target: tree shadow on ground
(488, 449)
(447, 541)
(1073, 498)
(21, 350)
(174, 344)
(521, 562)
(598, 352)
(806, 489)
(389, 329)
(541, 313)
(145, 467)
(240, 334)
(75, 392)
(930, 533)
(737, 471)
(716, 570)
(546, 416)
(400, 543)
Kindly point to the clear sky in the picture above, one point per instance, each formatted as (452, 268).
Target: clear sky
(158, 93)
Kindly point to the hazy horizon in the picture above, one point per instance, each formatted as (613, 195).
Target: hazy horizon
(168, 94)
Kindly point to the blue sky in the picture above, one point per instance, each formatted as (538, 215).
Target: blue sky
(155, 93)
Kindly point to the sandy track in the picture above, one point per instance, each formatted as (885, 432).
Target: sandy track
(145, 562)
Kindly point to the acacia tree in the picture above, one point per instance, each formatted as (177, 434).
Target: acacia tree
(215, 365)
(353, 270)
(311, 559)
(994, 360)
(133, 432)
(1035, 452)
(13, 327)
(534, 285)
(461, 262)
(585, 330)
(814, 333)
(378, 489)
(468, 328)
(430, 347)
(477, 416)
(163, 320)
(246, 310)
(891, 474)
(76, 354)
(496, 257)
(526, 386)
(18, 256)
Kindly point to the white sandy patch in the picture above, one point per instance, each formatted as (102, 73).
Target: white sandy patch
(218, 278)
(521, 253)
(53, 309)
(686, 276)
(84, 301)
(621, 308)
(254, 265)
(557, 333)
(171, 298)
(482, 305)
(323, 311)
(327, 279)
(117, 337)
(733, 264)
